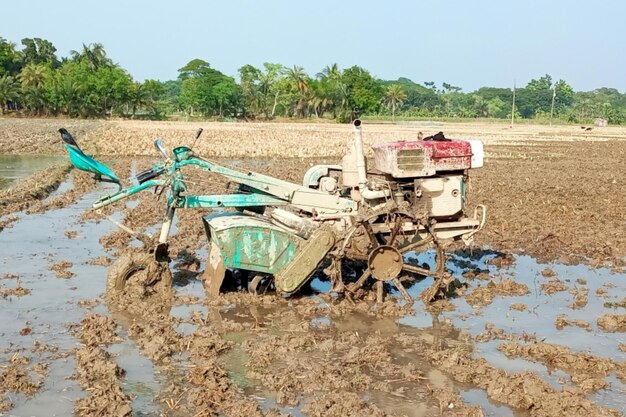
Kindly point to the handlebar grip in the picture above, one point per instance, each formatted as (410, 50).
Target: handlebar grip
(149, 174)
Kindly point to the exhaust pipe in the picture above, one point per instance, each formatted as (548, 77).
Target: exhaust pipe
(360, 157)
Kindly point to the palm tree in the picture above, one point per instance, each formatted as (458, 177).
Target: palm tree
(9, 91)
(394, 97)
(300, 78)
(330, 73)
(32, 75)
(138, 97)
(94, 54)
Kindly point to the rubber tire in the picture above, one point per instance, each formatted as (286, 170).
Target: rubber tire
(261, 283)
(127, 265)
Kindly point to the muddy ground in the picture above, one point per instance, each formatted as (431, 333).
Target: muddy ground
(538, 330)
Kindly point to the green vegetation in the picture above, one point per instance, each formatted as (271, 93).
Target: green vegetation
(34, 81)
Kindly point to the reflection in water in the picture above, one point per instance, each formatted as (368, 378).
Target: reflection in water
(14, 167)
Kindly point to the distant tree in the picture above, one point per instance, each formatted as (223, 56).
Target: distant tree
(394, 97)
(94, 54)
(541, 84)
(498, 108)
(10, 59)
(39, 51)
(33, 75)
(364, 93)
(431, 85)
(302, 97)
(206, 89)
(251, 96)
(9, 91)
(32, 78)
(564, 96)
(449, 88)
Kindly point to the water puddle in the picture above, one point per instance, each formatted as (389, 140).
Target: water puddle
(15, 167)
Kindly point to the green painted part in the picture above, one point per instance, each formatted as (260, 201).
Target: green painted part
(127, 192)
(181, 153)
(87, 163)
(231, 200)
(250, 243)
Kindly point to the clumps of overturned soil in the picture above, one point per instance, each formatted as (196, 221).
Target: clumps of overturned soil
(493, 333)
(618, 304)
(7, 222)
(341, 404)
(612, 322)
(581, 297)
(505, 287)
(563, 321)
(100, 260)
(553, 286)
(16, 291)
(17, 377)
(29, 191)
(587, 371)
(97, 373)
(99, 376)
(71, 234)
(96, 329)
(61, 269)
(523, 390)
(157, 338)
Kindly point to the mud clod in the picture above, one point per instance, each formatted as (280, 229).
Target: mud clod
(563, 321)
(96, 329)
(341, 404)
(61, 269)
(504, 287)
(612, 323)
(553, 286)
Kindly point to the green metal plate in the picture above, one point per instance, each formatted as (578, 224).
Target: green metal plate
(251, 243)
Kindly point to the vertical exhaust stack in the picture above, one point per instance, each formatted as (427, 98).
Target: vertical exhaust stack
(360, 156)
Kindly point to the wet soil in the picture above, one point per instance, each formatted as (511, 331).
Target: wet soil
(537, 330)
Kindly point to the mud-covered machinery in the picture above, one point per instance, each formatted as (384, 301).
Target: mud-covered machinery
(409, 197)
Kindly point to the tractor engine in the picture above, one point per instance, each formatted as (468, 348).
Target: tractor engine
(430, 175)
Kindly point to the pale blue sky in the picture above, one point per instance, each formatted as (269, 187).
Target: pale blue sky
(466, 43)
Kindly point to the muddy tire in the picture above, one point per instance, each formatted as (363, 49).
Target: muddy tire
(128, 265)
(260, 284)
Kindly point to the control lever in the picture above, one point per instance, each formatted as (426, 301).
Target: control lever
(198, 133)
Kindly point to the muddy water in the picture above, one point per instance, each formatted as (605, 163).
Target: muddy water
(38, 241)
(14, 167)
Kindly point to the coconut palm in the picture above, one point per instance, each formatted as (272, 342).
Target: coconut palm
(32, 75)
(330, 73)
(94, 54)
(394, 97)
(9, 91)
(300, 78)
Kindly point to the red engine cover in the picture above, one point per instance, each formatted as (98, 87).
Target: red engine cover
(422, 158)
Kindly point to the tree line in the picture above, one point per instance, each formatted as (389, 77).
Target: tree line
(88, 84)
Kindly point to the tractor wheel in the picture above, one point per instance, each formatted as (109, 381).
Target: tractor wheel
(384, 255)
(158, 275)
(260, 284)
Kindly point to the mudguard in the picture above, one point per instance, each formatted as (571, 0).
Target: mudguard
(251, 243)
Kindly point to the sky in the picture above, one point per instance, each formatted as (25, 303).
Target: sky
(466, 43)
